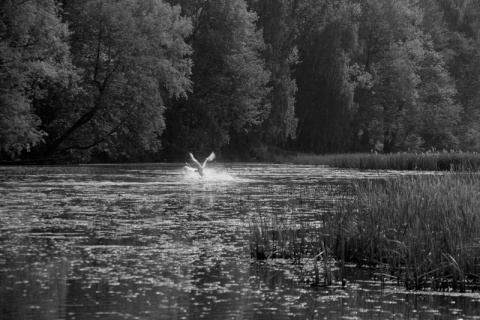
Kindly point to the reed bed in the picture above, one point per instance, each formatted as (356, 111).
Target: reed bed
(311, 246)
(420, 231)
(431, 161)
(424, 230)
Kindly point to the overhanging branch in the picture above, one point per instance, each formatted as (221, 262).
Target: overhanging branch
(97, 142)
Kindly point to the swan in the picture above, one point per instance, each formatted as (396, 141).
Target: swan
(197, 166)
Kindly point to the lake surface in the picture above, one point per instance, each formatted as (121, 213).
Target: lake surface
(153, 242)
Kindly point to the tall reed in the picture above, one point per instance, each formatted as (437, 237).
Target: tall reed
(313, 246)
(425, 228)
(422, 230)
(432, 161)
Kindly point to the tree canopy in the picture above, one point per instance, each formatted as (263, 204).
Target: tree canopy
(133, 56)
(229, 78)
(132, 80)
(34, 58)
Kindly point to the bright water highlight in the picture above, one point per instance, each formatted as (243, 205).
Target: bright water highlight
(151, 242)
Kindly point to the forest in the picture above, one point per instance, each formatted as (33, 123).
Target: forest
(151, 80)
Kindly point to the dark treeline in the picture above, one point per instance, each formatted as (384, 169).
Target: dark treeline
(150, 80)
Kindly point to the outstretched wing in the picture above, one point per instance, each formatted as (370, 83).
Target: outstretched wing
(197, 164)
(211, 157)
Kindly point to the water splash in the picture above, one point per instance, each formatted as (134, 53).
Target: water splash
(211, 174)
(214, 174)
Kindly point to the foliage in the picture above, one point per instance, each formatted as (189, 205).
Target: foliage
(34, 58)
(427, 225)
(455, 35)
(132, 79)
(310, 249)
(439, 112)
(133, 57)
(420, 231)
(326, 76)
(229, 78)
(411, 103)
(279, 22)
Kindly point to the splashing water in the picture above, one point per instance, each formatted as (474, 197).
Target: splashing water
(214, 174)
(211, 174)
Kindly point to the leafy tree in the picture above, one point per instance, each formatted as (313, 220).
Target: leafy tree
(465, 69)
(326, 76)
(133, 59)
(279, 23)
(128, 77)
(229, 78)
(411, 103)
(34, 56)
(455, 36)
(440, 113)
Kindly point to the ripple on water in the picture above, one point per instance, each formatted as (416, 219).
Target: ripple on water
(149, 241)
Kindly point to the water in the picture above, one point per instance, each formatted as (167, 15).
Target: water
(151, 242)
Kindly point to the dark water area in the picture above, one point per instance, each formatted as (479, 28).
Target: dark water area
(152, 242)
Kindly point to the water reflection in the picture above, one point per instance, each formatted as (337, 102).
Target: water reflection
(149, 242)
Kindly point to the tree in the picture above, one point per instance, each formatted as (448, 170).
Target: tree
(133, 58)
(34, 56)
(229, 78)
(440, 113)
(411, 103)
(278, 21)
(465, 69)
(455, 37)
(326, 76)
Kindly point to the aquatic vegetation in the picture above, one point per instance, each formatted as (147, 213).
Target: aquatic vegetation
(313, 246)
(421, 231)
(424, 230)
(431, 160)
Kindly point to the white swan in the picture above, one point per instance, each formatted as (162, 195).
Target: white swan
(197, 166)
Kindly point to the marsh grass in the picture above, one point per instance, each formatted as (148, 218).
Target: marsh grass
(424, 229)
(419, 231)
(431, 161)
(311, 246)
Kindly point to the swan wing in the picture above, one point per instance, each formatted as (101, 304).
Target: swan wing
(211, 157)
(197, 164)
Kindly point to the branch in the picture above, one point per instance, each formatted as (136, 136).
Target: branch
(79, 123)
(97, 62)
(95, 143)
(198, 13)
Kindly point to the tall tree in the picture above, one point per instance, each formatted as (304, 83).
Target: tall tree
(34, 56)
(229, 78)
(465, 69)
(440, 112)
(412, 97)
(326, 76)
(279, 23)
(454, 28)
(133, 58)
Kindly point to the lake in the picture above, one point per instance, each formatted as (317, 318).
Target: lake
(153, 242)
